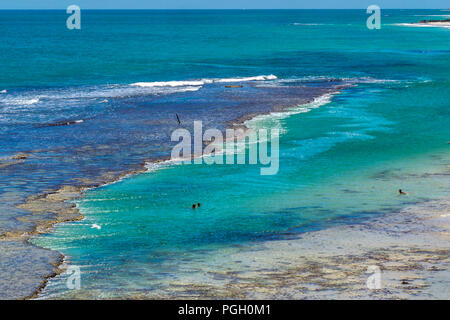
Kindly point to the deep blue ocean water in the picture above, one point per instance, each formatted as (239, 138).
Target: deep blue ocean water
(342, 157)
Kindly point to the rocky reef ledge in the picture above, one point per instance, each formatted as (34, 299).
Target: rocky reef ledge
(27, 268)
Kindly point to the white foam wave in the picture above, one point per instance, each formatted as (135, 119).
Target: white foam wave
(272, 120)
(199, 83)
(22, 101)
(155, 166)
(69, 97)
(331, 78)
(168, 84)
(244, 79)
(72, 97)
(373, 80)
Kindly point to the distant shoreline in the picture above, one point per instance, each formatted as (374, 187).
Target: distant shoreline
(215, 9)
(428, 23)
(434, 23)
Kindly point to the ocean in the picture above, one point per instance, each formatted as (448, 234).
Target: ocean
(361, 113)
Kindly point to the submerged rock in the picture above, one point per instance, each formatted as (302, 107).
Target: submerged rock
(20, 156)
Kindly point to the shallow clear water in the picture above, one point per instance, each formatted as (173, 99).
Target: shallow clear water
(150, 238)
(340, 160)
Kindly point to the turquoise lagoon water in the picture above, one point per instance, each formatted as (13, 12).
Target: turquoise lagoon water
(150, 240)
(342, 157)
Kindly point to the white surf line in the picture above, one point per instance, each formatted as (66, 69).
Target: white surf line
(423, 25)
(201, 82)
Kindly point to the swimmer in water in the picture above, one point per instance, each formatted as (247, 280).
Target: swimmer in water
(198, 205)
(400, 192)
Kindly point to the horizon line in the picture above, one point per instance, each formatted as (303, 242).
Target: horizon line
(241, 9)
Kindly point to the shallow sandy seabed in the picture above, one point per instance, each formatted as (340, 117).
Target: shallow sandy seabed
(410, 247)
